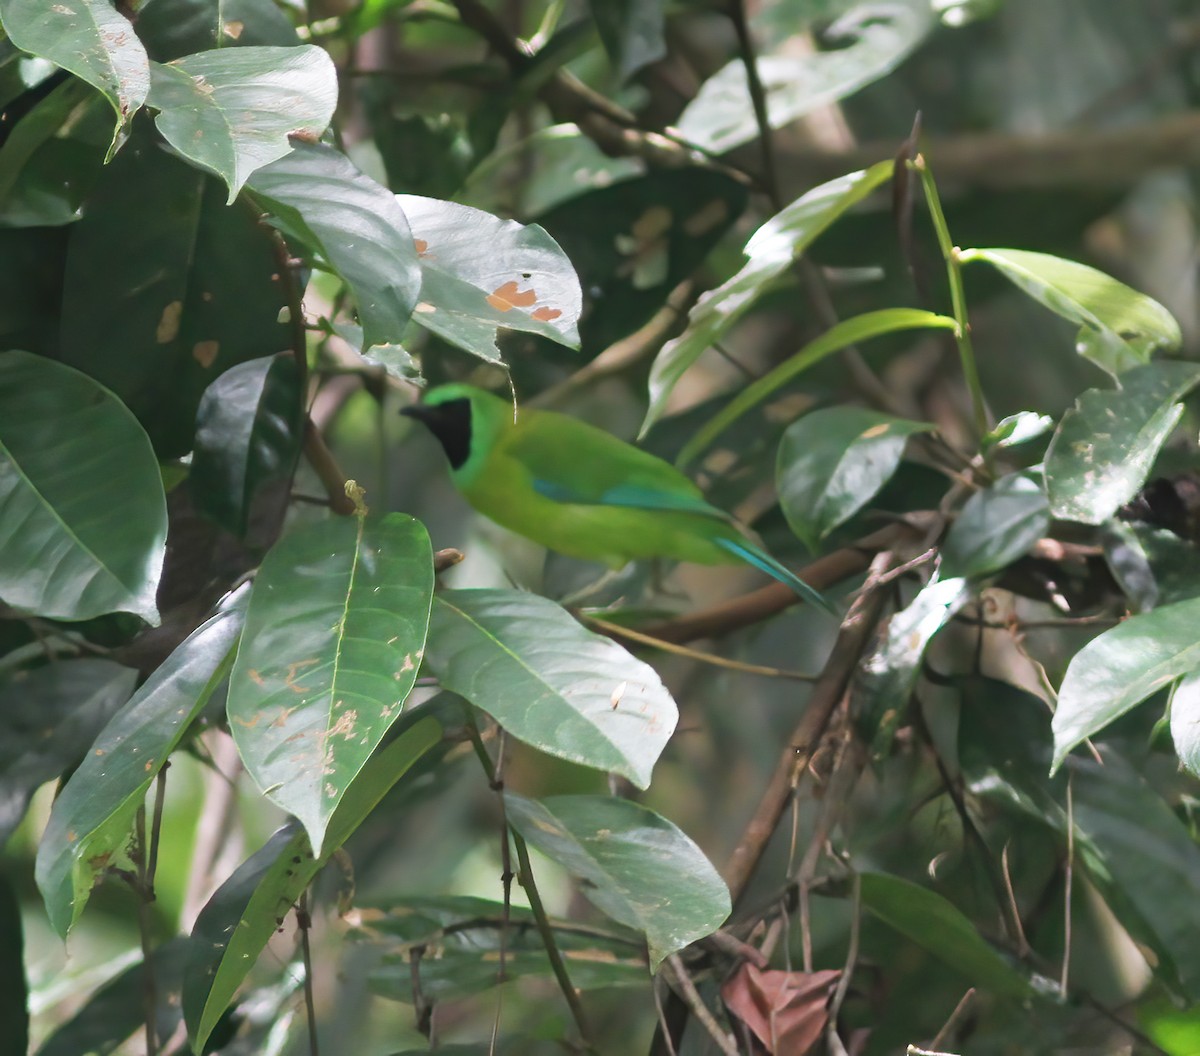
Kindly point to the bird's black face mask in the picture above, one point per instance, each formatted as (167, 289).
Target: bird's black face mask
(450, 422)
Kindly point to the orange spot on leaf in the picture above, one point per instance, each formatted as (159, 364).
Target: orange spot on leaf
(509, 296)
(545, 315)
(421, 246)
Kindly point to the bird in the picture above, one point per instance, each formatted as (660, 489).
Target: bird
(576, 489)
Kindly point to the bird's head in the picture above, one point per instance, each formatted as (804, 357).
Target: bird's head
(459, 415)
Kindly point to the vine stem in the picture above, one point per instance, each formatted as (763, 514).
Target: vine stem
(958, 299)
(304, 922)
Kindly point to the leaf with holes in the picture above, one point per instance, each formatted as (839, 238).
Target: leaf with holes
(636, 866)
(1119, 327)
(67, 448)
(354, 226)
(480, 273)
(1122, 667)
(231, 110)
(1105, 446)
(833, 461)
(334, 637)
(550, 683)
(92, 817)
(241, 917)
(92, 40)
(770, 252)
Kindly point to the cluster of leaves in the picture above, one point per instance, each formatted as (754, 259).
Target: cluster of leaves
(192, 262)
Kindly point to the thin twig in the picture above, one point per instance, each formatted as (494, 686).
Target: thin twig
(616, 630)
(1068, 874)
(304, 923)
(691, 996)
(961, 1007)
(758, 99)
(1022, 943)
(145, 929)
(664, 1029)
(843, 983)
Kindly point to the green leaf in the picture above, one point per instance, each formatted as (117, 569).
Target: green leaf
(1105, 446)
(181, 27)
(479, 273)
(847, 332)
(249, 427)
(636, 866)
(1185, 720)
(1017, 429)
(1119, 327)
(550, 683)
(885, 682)
(91, 818)
(770, 252)
(631, 32)
(996, 526)
(934, 924)
(231, 111)
(83, 518)
(833, 461)
(188, 296)
(1121, 668)
(1153, 566)
(353, 225)
(334, 637)
(240, 918)
(873, 38)
(50, 715)
(89, 38)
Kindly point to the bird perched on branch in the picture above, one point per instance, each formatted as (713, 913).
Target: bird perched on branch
(579, 490)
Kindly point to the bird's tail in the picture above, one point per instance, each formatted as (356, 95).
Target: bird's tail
(760, 559)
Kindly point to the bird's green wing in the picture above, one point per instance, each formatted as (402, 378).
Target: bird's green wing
(571, 462)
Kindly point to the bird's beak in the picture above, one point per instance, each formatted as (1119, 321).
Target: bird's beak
(416, 410)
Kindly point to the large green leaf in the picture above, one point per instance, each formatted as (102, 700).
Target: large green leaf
(637, 867)
(550, 683)
(83, 518)
(92, 816)
(880, 695)
(1121, 668)
(479, 273)
(996, 526)
(1153, 566)
(49, 717)
(1119, 327)
(240, 918)
(231, 110)
(89, 38)
(188, 295)
(249, 427)
(847, 332)
(334, 637)
(770, 252)
(832, 462)
(871, 40)
(1106, 444)
(934, 924)
(353, 225)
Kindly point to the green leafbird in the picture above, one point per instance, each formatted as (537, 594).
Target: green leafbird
(579, 490)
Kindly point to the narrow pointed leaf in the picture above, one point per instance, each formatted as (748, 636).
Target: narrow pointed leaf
(1119, 327)
(353, 225)
(88, 37)
(240, 918)
(847, 332)
(249, 427)
(49, 717)
(1122, 667)
(231, 110)
(83, 518)
(334, 636)
(934, 924)
(479, 273)
(636, 866)
(996, 526)
(833, 461)
(549, 682)
(770, 252)
(92, 817)
(1105, 445)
